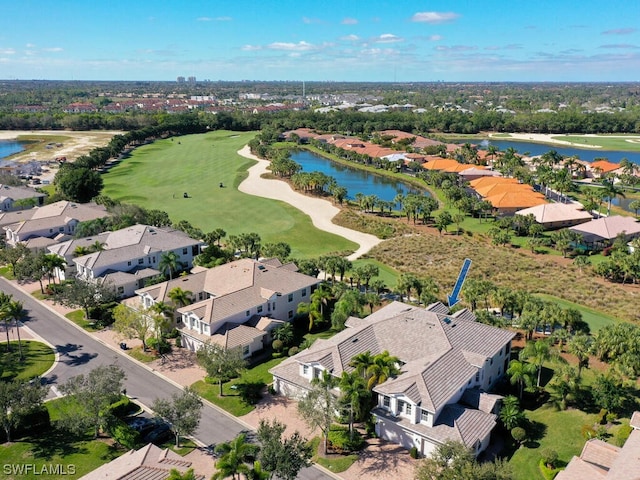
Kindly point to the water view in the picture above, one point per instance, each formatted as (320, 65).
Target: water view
(355, 181)
(9, 147)
(588, 155)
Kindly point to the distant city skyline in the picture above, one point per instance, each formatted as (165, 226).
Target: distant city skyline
(377, 40)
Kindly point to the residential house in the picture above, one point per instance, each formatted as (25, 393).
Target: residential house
(9, 195)
(235, 305)
(51, 221)
(148, 463)
(127, 257)
(600, 168)
(601, 232)
(600, 460)
(447, 362)
(557, 215)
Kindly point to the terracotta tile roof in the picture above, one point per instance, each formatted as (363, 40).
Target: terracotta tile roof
(445, 165)
(604, 166)
(498, 188)
(483, 182)
(516, 200)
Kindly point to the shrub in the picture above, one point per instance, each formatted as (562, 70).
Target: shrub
(277, 345)
(340, 439)
(174, 333)
(272, 390)
(124, 435)
(178, 342)
(549, 457)
(161, 346)
(122, 407)
(519, 434)
(622, 434)
(588, 432)
(250, 392)
(602, 416)
(611, 417)
(370, 426)
(413, 452)
(293, 351)
(548, 473)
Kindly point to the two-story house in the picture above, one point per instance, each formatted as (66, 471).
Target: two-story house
(55, 220)
(234, 305)
(127, 257)
(448, 363)
(10, 195)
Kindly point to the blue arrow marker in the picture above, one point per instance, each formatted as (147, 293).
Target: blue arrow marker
(454, 297)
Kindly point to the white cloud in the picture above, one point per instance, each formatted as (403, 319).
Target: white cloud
(434, 38)
(434, 17)
(52, 49)
(620, 31)
(387, 38)
(204, 19)
(7, 51)
(292, 47)
(30, 45)
(251, 48)
(456, 48)
(350, 38)
(349, 21)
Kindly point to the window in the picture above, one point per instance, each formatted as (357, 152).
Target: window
(290, 314)
(120, 290)
(290, 298)
(386, 401)
(260, 309)
(304, 292)
(491, 361)
(407, 408)
(273, 306)
(248, 313)
(140, 261)
(245, 350)
(305, 369)
(400, 406)
(478, 376)
(129, 263)
(184, 251)
(424, 416)
(61, 229)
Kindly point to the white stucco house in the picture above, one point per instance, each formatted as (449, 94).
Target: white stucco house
(448, 364)
(126, 257)
(234, 305)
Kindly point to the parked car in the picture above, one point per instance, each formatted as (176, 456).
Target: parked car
(158, 435)
(139, 423)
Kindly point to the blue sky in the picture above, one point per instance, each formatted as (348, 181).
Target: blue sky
(328, 40)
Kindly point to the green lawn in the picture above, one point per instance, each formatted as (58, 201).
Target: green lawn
(561, 431)
(387, 274)
(77, 317)
(594, 318)
(38, 358)
(157, 175)
(607, 142)
(231, 401)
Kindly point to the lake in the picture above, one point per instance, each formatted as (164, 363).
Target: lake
(533, 149)
(9, 147)
(354, 180)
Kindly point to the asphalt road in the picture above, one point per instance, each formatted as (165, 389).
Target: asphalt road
(79, 353)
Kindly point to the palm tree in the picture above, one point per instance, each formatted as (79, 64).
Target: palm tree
(355, 395)
(384, 367)
(51, 263)
(611, 191)
(635, 206)
(284, 333)
(581, 346)
(14, 311)
(361, 362)
(312, 310)
(235, 456)
(521, 373)
(510, 414)
(80, 251)
(539, 352)
(180, 297)
(169, 261)
(5, 299)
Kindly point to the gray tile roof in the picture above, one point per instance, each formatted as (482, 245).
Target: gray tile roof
(440, 353)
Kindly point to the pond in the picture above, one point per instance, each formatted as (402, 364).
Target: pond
(9, 147)
(354, 180)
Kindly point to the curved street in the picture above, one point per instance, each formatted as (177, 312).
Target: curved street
(77, 352)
